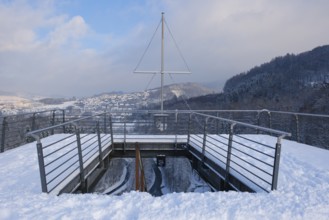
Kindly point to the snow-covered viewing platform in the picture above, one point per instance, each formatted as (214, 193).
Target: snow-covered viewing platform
(301, 189)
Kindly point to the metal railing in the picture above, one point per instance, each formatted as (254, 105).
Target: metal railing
(71, 157)
(135, 125)
(244, 156)
(13, 128)
(312, 129)
(68, 157)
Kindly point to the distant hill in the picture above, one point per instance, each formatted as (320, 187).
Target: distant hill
(291, 82)
(145, 99)
(187, 90)
(14, 103)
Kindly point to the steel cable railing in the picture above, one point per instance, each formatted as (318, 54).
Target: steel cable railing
(234, 144)
(255, 162)
(312, 129)
(13, 128)
(69, 155)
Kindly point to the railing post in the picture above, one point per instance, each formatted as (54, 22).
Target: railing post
(176, 127)
(259, 117)
(217, 123)
(204, 139)
(124, 136)
(63, 120)
(105, 124)
(111, 127)
(228, 157)
(3, 134)
(42, 167)
(189, 129)
(143, 183)
(276, 164)
(100, 154)
(137, 167)
(82, 173)
(53, 122)
(258, 120)
(297, 128)
(33, 122)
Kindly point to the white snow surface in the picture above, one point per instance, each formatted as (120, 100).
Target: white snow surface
(303, 193)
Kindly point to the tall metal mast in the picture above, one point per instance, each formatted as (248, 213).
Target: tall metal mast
(162, 70)
(162, 59)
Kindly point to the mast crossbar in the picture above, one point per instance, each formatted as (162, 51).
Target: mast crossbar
(162, 71)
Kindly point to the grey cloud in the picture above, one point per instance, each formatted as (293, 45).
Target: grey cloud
(218, 39)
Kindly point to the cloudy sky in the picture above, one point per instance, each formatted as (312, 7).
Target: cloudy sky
(83, 47)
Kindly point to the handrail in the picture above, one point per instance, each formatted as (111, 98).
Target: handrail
(247, 125)
(12, 132)
(31, 113)
(219, 110)
(68, 160)
(296, 125)
(63, 124)
(244, 165)
(14, 127)
(170, 127)
(301, 114)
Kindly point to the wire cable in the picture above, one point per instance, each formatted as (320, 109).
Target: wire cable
(148, 84)
(141, 59)
(185, 101)
(179, 51)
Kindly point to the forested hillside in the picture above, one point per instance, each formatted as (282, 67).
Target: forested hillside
(291, 82)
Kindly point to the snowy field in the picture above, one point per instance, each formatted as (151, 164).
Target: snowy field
(303, 193)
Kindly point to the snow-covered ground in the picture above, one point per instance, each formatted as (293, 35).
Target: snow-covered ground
(303, 193)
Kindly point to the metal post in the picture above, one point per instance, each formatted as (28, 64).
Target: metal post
(270, 119)
(100, 155)
(63, 120)
(176, 127)
(105, 124)
(162, 59)
(53, 122)
(137, 167)
(276, 164)
(124, 137)
(189, 130)
(204, 139)
(33, 122)
(228, 157)
(258, 120)
(111, 127)
(143, 183)
(217, 123)
(297, 128)
(3, 134)
(42, 167)
(82, 173)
